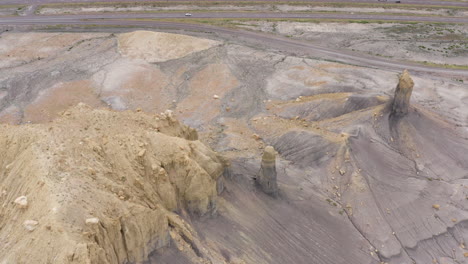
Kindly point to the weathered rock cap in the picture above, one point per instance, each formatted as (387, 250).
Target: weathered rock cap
(269, 154)
(403, 91)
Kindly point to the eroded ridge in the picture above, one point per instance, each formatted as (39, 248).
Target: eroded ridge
(98, 186)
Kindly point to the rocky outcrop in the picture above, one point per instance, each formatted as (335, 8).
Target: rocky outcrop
(266, 177)
(401, 100)
(101, 186)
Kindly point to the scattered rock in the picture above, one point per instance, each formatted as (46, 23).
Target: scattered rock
(22, 202)
(167, 114)
(30, 225)
(215, 96)
(141, 153)
(92, 221)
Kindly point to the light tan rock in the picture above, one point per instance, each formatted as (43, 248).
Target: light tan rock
(141, 153)
(92, 221)
(30, 225)
(22, 202)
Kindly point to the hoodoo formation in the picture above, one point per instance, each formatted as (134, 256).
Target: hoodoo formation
(266, 177)
(401, 101)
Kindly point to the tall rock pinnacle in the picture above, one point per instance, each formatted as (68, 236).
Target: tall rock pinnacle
(401, 101)
(266, 177)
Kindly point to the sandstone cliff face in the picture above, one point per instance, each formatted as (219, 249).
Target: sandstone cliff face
(100, 186)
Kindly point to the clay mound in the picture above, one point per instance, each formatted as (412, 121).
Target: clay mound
(158, 47)
(101, 187)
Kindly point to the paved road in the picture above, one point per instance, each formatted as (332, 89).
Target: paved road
(413, 2)
(254, 15)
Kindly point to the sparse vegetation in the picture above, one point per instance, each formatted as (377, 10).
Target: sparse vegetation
(331, 202)
(11, 10)
(444, 65)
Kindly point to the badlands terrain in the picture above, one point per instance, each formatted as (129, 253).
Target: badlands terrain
(353, 187)
(237, 141)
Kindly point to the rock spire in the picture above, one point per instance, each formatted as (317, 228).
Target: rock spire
(401, 101)
(266, 177)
